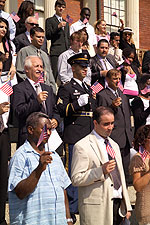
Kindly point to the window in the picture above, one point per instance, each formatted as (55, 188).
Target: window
(114, 6)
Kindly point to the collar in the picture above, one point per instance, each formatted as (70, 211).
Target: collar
(58, 17)
(100, 138)
(28, 148)
(78, 81)
(83, 23)
(100, 57)
(31, 81)
(114, 92)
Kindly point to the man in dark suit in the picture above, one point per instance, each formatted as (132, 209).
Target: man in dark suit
(57, 30)
(122, 133)
(24, 39)
(75, 104)
(101, 63)
(31, 96)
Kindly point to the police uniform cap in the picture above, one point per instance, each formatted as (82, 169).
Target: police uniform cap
(80, 59)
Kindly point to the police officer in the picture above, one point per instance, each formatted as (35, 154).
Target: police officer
(76, 103)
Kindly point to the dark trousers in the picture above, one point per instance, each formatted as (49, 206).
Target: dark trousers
(54, 63)
(4, 153)
(125, 154)
(117, 219)
(72, 192)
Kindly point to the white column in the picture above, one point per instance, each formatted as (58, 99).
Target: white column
(133, 19)
(91, 4)
(49, 8)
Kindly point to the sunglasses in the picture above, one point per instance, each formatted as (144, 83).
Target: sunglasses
(34, 24)
(127, 34)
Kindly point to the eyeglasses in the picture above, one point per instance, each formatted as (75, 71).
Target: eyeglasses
(34, 24)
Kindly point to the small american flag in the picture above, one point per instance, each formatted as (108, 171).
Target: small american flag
(146, 90)
(97, 87)
(69, 19)
(85, 21)
(143, 153)
(14, 16)
(7, 88)
(41, 78)
(109, 149)
(114, 14)
(43, 135)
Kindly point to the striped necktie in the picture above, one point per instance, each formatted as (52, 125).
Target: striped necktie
(115, 173)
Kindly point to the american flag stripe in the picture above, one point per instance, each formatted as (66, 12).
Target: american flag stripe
(43, 135)
(143, 153)
(7, 89)
(97, 87)
(110, 150)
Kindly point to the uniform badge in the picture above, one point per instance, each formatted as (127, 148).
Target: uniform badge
(59, 101)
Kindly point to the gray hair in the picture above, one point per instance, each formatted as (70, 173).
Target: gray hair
(33, 119)
(28, 19)
(28, 60)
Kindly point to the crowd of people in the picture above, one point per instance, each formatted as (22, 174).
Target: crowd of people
(90, 89)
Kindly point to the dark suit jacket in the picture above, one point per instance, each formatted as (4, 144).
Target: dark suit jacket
(122, 127)
(24, 102)
(96, 66)
(75, 125)
(22, 41)
(146, 62)
(59, 37)
(140, 115)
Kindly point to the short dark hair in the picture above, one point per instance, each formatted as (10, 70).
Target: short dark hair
(60, 2)
(33, 119)
(113, 35)
(84, 9)
(36, 29)
(142, 133)
(101, 41)
(112, 72)
(100, 111)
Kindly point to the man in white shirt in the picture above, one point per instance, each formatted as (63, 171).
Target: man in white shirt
(65, 73)
(114, 47)
(97, 171)
(83, 22)
(12, 26)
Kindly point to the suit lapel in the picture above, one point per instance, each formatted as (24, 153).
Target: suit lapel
(96, 148)
(77, 86)
(25, 39)
(99, 62)
(110, 94)
(29, 88)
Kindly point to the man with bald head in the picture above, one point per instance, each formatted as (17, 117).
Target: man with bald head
(23, 40)
(31, 96)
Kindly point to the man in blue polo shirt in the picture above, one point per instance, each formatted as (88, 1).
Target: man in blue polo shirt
(38, 180)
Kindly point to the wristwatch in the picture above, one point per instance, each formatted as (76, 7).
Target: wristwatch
(69, 220)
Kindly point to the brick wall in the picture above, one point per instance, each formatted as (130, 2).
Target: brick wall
(73, 9)
(19, 2)
(144, 24)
